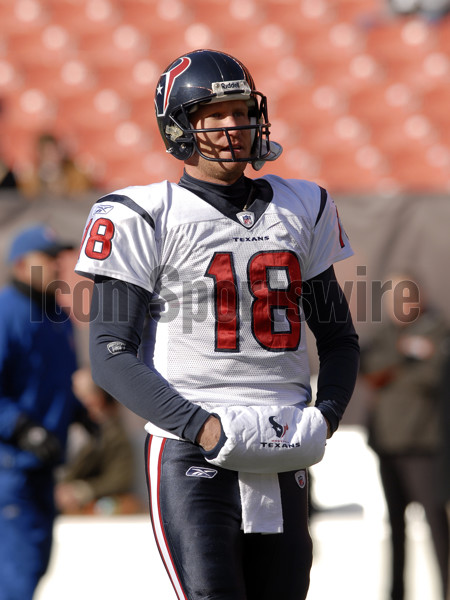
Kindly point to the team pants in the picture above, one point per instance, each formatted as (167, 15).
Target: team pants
(26, 523)
(197, 526)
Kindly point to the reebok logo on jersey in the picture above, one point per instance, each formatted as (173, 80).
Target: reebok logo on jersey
(203, 472)
(103, 209)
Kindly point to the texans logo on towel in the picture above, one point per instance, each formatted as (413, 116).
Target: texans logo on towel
(280, 430)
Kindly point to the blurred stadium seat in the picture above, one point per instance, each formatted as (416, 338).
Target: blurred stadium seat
(82, 17)
(22, 16)
(51, 45)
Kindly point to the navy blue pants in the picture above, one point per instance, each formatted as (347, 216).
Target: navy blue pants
(26, 523)
(197, 526)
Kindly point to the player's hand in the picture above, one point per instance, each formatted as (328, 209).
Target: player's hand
(209, 435)
(39, 441)
(329, 434)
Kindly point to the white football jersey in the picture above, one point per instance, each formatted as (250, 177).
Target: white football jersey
(227, 322)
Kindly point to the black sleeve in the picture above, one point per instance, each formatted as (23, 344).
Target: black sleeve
(328, 316)
(118, 312)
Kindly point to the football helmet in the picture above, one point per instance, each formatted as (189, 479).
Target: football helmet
(206, 76)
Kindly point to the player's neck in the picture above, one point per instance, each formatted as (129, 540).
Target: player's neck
(217, 173)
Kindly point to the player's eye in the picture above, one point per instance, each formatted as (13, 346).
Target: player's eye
(241, 115)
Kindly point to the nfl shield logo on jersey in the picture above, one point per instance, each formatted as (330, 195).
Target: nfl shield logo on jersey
(300, 478)
(247, 218)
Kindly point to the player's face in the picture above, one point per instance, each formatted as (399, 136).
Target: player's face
(215, 144)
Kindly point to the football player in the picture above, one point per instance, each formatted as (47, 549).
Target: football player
(217, 276)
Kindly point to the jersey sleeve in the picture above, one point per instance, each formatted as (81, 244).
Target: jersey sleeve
(329, 242)
(119, 241)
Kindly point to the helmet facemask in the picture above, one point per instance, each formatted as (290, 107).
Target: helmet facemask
(181, 131)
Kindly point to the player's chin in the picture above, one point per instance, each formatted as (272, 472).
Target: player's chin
(232, 167)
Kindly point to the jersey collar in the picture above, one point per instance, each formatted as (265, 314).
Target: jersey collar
(253, 195)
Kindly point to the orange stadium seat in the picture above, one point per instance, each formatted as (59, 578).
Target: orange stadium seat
(359, 73)
(402, 40)
(383, 103)
(139, 170)
(143, 112)
(22, 16)
(297, 162)
(442, 31)
(416, 174)
(306, 18)
(29, 109)
(11, 77)
(121, 45)
(123, 141)
(51, 45)
(70, 79)
(85, 16)
(99, 109)
(18, 145)
(313, 106)
(345, 80)
(162, 16)
(343, 134)
(398, 136)
(132, 81)
(342, 173)
(436, 106)
(236, 17)
(338, 42)
(270, 43)
(358, 11)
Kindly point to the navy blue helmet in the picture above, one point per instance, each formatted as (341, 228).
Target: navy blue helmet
(206, 76)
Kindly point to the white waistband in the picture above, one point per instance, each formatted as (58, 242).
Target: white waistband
(154, 430)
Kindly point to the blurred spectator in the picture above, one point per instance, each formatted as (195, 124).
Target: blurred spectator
(100, 477)
(55, 173)
(7, 178)
(403, 364)
(37, 405)
(445, 429)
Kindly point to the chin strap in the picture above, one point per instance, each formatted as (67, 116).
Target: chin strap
(275, 151)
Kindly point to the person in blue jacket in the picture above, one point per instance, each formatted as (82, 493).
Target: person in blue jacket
(37, 405)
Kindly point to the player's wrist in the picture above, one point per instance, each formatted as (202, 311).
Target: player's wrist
(210, 434)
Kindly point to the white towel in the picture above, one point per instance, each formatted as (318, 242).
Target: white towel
(270, 439)
(261, 503)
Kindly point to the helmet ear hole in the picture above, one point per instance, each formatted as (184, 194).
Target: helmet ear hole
(182, 151)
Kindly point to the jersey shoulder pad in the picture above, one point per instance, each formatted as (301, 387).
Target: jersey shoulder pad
(300, 196)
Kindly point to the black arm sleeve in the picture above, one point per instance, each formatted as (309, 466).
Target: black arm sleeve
(118, 312)
(328, 316)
